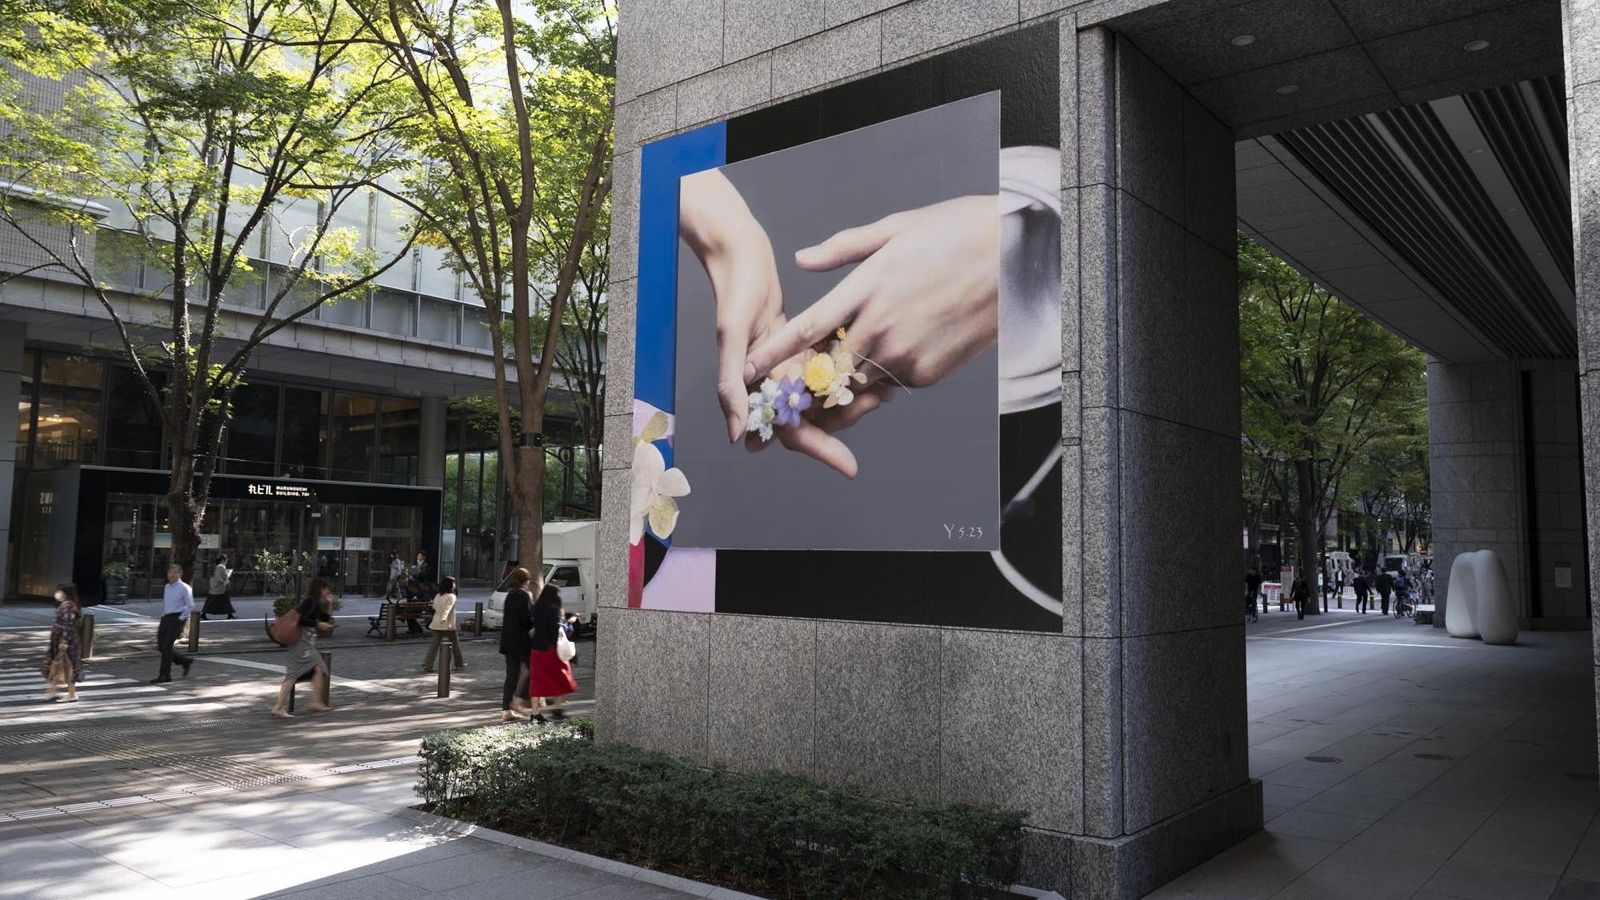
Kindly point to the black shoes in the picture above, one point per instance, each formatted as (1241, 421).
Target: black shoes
(539, 717)
(162, 680)
(186, 668)
(558, 714)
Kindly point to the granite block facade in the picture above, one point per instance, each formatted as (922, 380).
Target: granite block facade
(1122, 738)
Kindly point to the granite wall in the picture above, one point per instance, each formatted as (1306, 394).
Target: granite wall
(1123, 737)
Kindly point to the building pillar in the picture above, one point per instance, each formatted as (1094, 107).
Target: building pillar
(11, 339)
(1477, 484)
(1151, 322)
(1581, 32)
(431, 443)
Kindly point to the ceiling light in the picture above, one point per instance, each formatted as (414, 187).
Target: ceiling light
(1475, 151)
(1288, 89)
(1513, 209)
(1243, 40)
(1475, 46)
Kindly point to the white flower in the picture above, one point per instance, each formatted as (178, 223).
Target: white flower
(763, 410)
(654, 487)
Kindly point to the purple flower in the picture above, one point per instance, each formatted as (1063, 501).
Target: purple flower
(792, 401)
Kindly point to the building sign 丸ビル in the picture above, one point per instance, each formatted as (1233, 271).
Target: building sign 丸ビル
(274, 491)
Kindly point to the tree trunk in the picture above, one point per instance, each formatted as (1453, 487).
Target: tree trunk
(527, 492)
(1306, 521)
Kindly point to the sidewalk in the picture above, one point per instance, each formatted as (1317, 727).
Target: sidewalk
(343, 841)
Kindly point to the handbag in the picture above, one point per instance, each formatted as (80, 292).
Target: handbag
(60, 670)
(565, 648)
(285, 631)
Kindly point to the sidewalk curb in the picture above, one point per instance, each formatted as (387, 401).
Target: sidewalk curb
(637, 873)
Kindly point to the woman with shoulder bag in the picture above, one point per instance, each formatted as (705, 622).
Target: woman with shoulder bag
(304, 662)
(518, 620)
(549, 672)
(61, 662)
(443, 626)
(217, 599)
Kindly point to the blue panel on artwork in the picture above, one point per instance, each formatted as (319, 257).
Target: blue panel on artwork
(661, 164)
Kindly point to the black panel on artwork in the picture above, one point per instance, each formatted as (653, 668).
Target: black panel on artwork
(1022, 65)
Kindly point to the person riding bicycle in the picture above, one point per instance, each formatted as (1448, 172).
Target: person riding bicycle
(1402, 594)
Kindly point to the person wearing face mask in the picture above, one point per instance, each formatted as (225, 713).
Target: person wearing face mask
(62, 665)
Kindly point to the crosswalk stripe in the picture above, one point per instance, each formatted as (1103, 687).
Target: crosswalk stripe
(84, 695)
(39, 685)
(109, 710)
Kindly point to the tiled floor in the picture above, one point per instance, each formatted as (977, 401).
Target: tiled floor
(1400, 763)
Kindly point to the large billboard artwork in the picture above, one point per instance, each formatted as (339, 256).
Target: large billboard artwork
(848, 364)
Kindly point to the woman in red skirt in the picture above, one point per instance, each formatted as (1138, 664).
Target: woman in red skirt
(549, 676)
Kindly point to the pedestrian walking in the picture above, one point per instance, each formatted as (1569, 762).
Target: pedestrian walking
(515, 645)
(444, 625)
(177, 603)
(549, 676)
(304, 662)
(1252, 588)
(396, 570)
(217, 600)
(1363, 590)
(1385, 584)
(1300, 593)
(61, 662)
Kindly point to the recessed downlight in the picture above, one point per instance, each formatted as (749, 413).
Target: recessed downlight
(1288, 89)
(1475, 46)
(1475, 151)
(1513, 209)
(1243, 40)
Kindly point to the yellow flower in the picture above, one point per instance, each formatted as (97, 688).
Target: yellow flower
(819, 373)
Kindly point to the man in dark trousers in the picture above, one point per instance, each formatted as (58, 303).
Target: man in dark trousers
(1363, 589)
(1385, 588)
(177, 604)
(1252, 587)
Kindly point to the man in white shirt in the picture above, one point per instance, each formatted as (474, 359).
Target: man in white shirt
(177, 604)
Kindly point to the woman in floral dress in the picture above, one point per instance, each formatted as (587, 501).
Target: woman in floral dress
(61, 665)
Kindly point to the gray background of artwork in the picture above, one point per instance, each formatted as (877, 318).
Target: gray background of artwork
(927, 459)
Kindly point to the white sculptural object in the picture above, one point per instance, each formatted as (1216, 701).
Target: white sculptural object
(1479, 602)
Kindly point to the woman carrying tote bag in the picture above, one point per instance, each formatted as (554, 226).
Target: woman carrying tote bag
(549, 675)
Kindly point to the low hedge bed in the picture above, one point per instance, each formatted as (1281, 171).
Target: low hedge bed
(771, 834)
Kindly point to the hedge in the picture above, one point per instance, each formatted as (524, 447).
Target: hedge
(772, 834)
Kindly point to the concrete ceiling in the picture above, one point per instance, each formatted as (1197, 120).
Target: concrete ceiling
(1387, 153)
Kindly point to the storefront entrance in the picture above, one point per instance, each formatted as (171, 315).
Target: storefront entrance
(278, 533)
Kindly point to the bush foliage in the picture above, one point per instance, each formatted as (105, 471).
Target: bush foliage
(774, 834)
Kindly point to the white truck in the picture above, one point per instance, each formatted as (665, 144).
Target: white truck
(569, 555)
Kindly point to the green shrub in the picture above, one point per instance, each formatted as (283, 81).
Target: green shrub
(774, 834)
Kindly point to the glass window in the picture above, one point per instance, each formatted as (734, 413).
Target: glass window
(434, 275)
(69, 411)
(567, 576)
(117, 258)
(346, 310)
(25, 401)
(253, 430)
(354, 420)
(397, 441)
(246, 288)
(474, 333)
(133, 421)
(438, 321)
(302, 433)
(394, 312)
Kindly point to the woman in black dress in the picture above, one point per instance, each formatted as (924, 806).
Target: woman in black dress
(515, 644)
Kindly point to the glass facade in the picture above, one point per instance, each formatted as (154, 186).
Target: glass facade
(96, 412)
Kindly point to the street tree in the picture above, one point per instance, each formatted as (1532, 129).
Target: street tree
(205, 127)
(511, 110)
(1320, 383)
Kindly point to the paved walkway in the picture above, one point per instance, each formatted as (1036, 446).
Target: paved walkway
(1400, 764)
(339, 843)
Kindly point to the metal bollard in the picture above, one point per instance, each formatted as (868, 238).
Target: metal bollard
(477, 620)
(390, 636)
(447, 651)
(327, 685)
(86, 651)
(194, 632)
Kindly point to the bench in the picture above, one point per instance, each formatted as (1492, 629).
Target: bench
(413, 614)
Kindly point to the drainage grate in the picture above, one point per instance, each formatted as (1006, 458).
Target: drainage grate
(1324, 759)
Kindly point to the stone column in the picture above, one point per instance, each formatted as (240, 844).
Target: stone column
(11, 339)
(1152, 448)
(1581, 31)
(1475, 448)
(430, 442)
